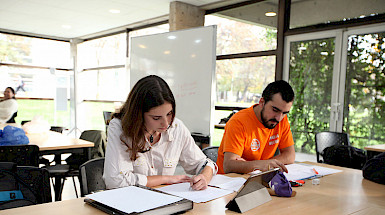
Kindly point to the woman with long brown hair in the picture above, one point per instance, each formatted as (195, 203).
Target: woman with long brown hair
(146, 142)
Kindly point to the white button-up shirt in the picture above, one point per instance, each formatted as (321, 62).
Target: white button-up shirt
(176, 145)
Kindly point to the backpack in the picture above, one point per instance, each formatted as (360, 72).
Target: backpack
(346, 156)
(14, 192)
(374, 169)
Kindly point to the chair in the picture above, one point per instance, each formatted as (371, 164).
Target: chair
(211, 152)
(33, 182)
(38, 179)
(327, 138)
(22, 155)
(90, 175)
(57, 129)
(43, 160)
(107, 117)
(75, 160)
(12, 119)
(25, 121)
(99, 138)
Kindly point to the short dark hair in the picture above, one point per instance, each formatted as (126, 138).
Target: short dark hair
(281, 87)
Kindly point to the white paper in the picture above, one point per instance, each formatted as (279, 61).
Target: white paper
(227, 183)
(133, 199)
(183, 190)
(305, 171)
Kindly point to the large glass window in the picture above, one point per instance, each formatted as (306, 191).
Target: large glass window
(239, 34)
(36, 93)
(103, 84)
(34, 51)
(106, 51)
(240, 82)
(312, 12)
(364, 115)
(311, 75)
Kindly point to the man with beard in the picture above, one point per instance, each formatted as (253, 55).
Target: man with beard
(253, 135)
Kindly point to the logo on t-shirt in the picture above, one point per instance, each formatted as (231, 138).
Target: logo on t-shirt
(274, 139)
(255, 144)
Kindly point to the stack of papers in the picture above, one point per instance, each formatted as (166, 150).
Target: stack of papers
(306, 171)
(183, 190)
(227, 183)
(219, 186)
(133, 199)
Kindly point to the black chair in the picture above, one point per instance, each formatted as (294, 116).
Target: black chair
(57, 129)
(71, 169)
(33, 182)
(38, 179)
(25, 121)
(107, 117)
(91, 173)
(22, 155)
(211, 152)
(99, 138)
(12, 119)
(327, 138)
(45, 161)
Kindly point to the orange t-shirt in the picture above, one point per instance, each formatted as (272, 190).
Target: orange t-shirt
(247, 137)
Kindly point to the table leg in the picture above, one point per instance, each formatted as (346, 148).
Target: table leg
(58, 188)
(58, 180)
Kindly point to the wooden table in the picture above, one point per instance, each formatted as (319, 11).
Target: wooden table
(341, 193)
(374, 150)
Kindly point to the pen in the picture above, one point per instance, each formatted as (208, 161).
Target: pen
(201, 169)
(315, 171)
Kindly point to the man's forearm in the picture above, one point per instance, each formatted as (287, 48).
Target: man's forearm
(239, 166)
(286, 157)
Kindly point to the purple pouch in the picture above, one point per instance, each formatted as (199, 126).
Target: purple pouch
(281, 185)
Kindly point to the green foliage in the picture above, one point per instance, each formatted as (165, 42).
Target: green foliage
(311, 73)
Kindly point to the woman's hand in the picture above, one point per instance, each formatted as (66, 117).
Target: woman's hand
(173, 179)
(198, 182)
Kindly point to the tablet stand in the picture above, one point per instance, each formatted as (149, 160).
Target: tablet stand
(249, 198)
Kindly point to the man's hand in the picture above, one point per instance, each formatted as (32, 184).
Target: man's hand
(265, 165)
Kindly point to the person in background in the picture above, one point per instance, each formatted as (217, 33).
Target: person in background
(146, 142)
(20, 84)
(253, 135)
(8, 106)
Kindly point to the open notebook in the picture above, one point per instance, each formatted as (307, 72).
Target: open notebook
(137, 200)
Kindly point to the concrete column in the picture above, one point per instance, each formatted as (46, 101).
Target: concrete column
(183, 16)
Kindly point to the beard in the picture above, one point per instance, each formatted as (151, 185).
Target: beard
(265, 122)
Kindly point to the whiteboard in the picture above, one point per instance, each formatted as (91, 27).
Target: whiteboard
(185, 59)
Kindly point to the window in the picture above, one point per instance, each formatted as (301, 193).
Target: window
(106, 51)
(34, 51)
(312, 12)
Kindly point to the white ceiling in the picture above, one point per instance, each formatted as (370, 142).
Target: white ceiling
(86, 18)
(91, 18)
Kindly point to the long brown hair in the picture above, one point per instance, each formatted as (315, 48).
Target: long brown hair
(149, 92)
